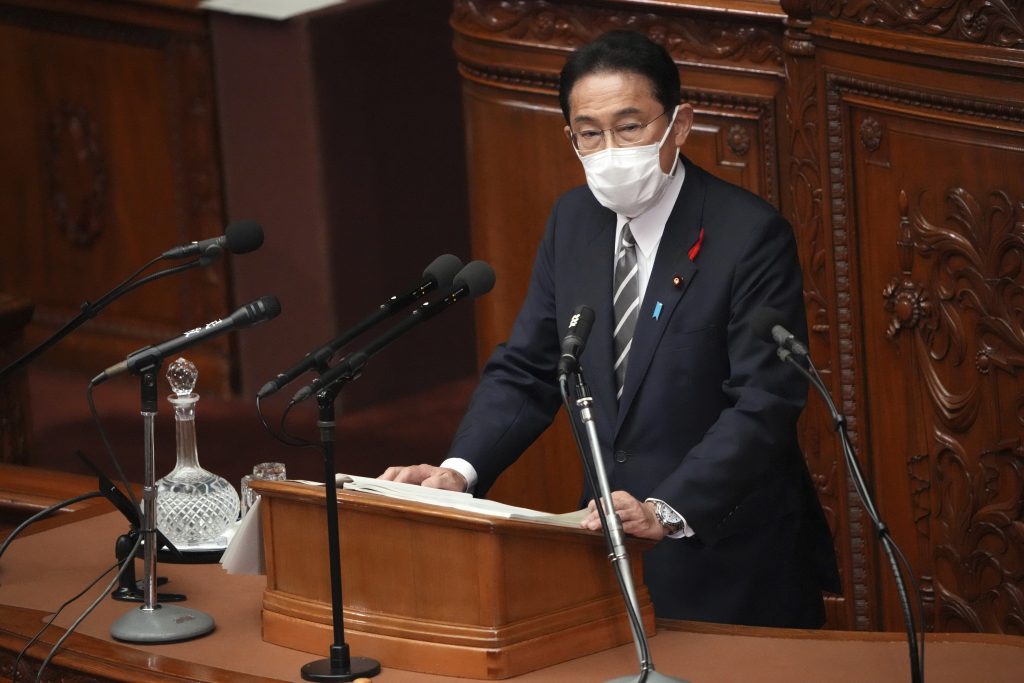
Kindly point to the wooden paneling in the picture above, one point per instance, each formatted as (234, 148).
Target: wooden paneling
(927, 223)
(108, 152)
(890, 136)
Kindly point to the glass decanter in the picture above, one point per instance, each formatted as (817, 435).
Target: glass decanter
(193, 506)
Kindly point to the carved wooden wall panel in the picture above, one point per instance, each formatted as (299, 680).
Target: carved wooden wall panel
(939, 240)
(110, 147)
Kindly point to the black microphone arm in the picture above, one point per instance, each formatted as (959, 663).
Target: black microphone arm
(764, 322)
(475, 280)
(438, 275)
(240, 238)
(139, 361)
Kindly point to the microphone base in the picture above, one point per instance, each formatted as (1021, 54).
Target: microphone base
(652, 677)
(326, 670)
(162, 624)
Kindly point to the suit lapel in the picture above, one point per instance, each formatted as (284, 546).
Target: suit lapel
(681, 232)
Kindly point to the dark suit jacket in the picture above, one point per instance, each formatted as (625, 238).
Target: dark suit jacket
(707, 419)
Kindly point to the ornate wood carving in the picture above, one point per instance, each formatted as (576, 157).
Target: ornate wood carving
(763, 110)
(860, 535)
(738, 139)
(987, 22)
(803, 207)
(975, 257)
(871, 133)
(28, 670)
(77, 175)
(557, 25)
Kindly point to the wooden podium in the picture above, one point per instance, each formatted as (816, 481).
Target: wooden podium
(440, 591)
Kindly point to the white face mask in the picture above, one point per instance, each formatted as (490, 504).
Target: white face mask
(628, 180)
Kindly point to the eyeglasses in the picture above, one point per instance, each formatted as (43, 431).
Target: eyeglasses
(624, 134)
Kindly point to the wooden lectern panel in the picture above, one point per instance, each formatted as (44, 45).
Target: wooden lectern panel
(440, 591)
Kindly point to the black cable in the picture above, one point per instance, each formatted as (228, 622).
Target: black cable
(108, 447)
(45, 513)
(297, 440)
(88, 610)
(283, 437)
(53, 617)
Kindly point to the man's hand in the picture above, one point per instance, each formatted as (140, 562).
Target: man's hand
(426, 475)
(637, 518)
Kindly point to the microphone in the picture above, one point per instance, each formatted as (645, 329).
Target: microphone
(575, 339)
(475, 279)
(251, 314)
(240, 237)
(438, 275)
(766, 323)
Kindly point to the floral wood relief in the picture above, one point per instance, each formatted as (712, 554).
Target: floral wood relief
(987, 22)
(979, 552)
(871, 133)
(77, 176)
(965, 293)
(567, 26)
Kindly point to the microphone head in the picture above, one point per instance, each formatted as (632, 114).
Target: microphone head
(270, 306)
(477, 277)
(242, 237)
(579, 325)
(256, 312)
(763, 320)
(443, 270)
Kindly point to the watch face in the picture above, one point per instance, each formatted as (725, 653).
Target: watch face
(666, 515)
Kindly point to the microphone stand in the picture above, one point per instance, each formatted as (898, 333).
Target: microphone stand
(888, 544)
(611, 525)
(340, 665)
(152, 622)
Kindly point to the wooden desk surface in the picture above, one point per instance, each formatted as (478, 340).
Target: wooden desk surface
(39, 572)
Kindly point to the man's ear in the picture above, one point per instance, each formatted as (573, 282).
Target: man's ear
(683, 124)
(568, 133)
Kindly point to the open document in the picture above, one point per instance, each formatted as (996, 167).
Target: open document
(244, 555)
(455, 500)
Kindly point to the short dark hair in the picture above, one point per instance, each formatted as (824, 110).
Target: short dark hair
(627, 51)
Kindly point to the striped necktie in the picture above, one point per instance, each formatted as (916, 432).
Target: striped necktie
(627, 303)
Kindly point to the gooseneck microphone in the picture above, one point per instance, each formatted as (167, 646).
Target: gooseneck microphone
(766, 324)
(438, 275)
(476, 279)
(239, 237)
(251, 314)
(575, 339)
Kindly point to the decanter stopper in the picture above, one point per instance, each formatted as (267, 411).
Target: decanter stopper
(194, 506)
(182, 375)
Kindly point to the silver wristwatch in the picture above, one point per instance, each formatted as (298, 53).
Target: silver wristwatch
(668, 517)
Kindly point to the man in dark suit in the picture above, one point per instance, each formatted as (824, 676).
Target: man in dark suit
(696, 415)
